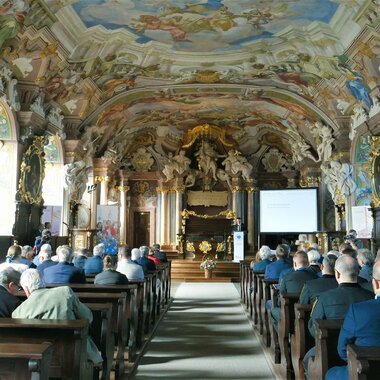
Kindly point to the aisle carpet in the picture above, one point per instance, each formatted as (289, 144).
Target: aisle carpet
(204, 335)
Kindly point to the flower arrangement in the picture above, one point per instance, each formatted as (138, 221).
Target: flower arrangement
(208, 264)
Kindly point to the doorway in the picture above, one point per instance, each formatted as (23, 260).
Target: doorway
(141, 226)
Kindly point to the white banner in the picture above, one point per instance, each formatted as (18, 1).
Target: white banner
(362, 221)
(238, 246)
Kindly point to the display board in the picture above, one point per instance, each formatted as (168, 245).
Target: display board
(289, 210)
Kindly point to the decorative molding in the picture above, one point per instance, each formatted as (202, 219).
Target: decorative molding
(228, 214)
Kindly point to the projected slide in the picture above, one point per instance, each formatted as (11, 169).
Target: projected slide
(290, 210)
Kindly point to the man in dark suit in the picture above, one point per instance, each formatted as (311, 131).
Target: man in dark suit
(272, 271)
(64, 272)
(45, 258)
(360, 327)
(9, 285)
(158, 254)
(148, 265)
(334, 303)
(312, 289)
(294, 281)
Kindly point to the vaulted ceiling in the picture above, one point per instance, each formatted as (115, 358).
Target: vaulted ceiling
(262, 70)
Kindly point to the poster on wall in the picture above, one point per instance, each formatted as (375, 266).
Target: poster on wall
(362, 221)
(238, 246)
(107, 224)
(53, 215)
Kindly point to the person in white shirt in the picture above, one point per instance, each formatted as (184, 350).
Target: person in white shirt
(126, 266)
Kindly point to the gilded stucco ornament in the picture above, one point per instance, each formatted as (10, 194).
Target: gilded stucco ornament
(374, 162)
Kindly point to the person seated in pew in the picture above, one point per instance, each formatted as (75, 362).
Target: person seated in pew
(264, 257)
(13, 259)
(312, 289)
(314, 258)
(64, 272)
(365, 261)
(55, 303)
(9, 285)
(94, 264)
(334, 303)
(294, 281)
(273, 270)
(148, 265)
(45, 258)
(80, 257)
(110, 276)
(27, 254)
(135, 255)
(125, 265)
(159, 254)
(152, 257)
(361, 327)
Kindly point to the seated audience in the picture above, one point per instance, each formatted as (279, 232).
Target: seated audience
(110, 276)
(94, 264)
(314, 258)
(45, 258)
(148, 265)
(294, 281)
(80, 257)
(135, 255)
(365, 261)
(27, 254)
(273, 270)
(159, 254)
(54, 303)
(9, 285)
(312, 289)
(361, 327)
(13, 259)
(64, 272)
(264, 256)
(126, 266)
(334, 303)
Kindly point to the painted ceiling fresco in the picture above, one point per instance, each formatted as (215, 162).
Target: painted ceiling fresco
(204, 25)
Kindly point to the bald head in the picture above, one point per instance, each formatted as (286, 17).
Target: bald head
(346, 269)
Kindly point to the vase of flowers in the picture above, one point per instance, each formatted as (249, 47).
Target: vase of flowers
(208, 265)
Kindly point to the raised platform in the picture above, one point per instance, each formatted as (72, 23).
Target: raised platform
(188, 270)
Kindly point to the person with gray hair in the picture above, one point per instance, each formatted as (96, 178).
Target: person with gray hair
(159, 254)
(64, 272)
(312, 289)
(127, 266)
(94, 264)
(365, 260)
(265, 256)
(56, 303)
(314, 257)
(148, 265)
(45, 258)
(27, 254)
(135, 254)
(9, 285)
(334, 303)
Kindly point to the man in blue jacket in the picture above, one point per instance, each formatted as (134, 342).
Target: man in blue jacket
(361, 327)
(272, 271)
(94, 264)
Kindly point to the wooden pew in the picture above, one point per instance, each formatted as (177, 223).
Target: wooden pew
(168, 269)
(261, 304)
(363, 362)
(326, 355)
(68, 339)
(301, 341)
(286, 328)
(149, 319)
(275, 293)
(25, 361)
(267, 297)
(255, 296)
(101, 333)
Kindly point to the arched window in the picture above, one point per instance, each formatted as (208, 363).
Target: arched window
(8, 164)
(52, 185)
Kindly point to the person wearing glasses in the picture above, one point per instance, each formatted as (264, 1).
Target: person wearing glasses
(9, 286)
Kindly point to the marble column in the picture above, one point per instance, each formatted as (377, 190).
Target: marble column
(251, 225)
(123, 189)
(103, 188)
(236, 197)
(179, 190)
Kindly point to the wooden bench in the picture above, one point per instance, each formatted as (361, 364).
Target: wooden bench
(301, 341)
(267, 297)
(261, 304)
(68, 339)
(363, 362)
(255, 295)
(101, 333)
(326, 334)
(286, 328)
(25, 361)
(275, 294)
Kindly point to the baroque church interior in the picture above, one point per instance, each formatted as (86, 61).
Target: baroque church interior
(139, 122)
